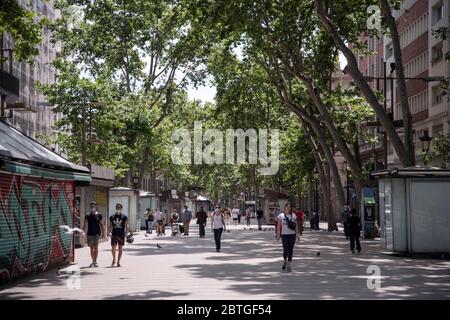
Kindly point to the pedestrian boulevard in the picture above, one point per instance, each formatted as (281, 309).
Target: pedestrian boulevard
(248, 267)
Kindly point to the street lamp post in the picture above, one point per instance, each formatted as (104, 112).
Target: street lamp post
(426, 140)
(347, 185)
(135, 182)
(385, 78)
(316, 196)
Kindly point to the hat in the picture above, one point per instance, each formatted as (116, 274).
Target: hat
(93, 204)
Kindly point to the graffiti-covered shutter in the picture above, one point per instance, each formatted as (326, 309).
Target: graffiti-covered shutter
(31, 213)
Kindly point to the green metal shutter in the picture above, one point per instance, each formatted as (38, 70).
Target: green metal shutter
(31, 211)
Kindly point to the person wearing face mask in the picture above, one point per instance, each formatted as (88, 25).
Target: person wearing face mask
(93, 228)
(118, 228)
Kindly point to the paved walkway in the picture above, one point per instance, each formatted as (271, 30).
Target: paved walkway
(249, 267)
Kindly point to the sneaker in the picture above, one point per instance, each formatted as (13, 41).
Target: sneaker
(284, 265)
(288, 269)
(359, 251)
(353, 251)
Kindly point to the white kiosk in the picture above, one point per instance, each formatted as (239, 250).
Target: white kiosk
(414, 206)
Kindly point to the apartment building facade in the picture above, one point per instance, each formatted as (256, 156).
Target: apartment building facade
(423, 58)
(30, 114)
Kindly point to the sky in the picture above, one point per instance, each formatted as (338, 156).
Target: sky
(204, 93)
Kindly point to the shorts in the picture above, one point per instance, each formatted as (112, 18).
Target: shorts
(117, 240)
(93, 240)
(160, 222)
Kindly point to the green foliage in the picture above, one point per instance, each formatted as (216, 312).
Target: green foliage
(350, 112)
(441, 145)
(21, 25)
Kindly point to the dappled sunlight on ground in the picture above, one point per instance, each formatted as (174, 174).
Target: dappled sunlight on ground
(248, 266)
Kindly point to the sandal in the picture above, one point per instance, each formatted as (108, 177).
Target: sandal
(112, 264)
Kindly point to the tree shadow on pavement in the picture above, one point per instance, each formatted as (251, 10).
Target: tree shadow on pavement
(148, 295)
(254, 268)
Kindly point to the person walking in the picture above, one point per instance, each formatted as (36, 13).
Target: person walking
(239, 215)
(354, 226)
(317, 221)
(259, 216)
(151, 219)
(217, 224)
(288, 232)
(248, 216)
(227, 216)
(146, 213)
(234, 215)
(118, 228)
(186, 217)
(345, 215)
(159, 218)
(300, 218)
(276, 213)
(312, 220)
(93, 228)
(202, 218)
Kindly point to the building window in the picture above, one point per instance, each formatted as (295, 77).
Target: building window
(438, 12)
(415, 30)
(438, 53)
(437, 95)
(389, 51)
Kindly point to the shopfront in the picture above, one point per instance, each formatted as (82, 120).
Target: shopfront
(98, 192)
(37, 196)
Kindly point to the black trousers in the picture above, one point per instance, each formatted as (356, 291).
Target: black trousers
(288, 241)
(201, 229)
(346, 230)
(355, 238)
(217, 236)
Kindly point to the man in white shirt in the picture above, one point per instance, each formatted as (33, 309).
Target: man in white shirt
(234, 215)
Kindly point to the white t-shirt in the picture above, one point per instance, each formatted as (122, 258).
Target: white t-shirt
(234, 213)
(217, 224)
(284, 226)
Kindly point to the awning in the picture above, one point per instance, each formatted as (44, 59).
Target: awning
(18, 147)
(412, 172)
(29, 170)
